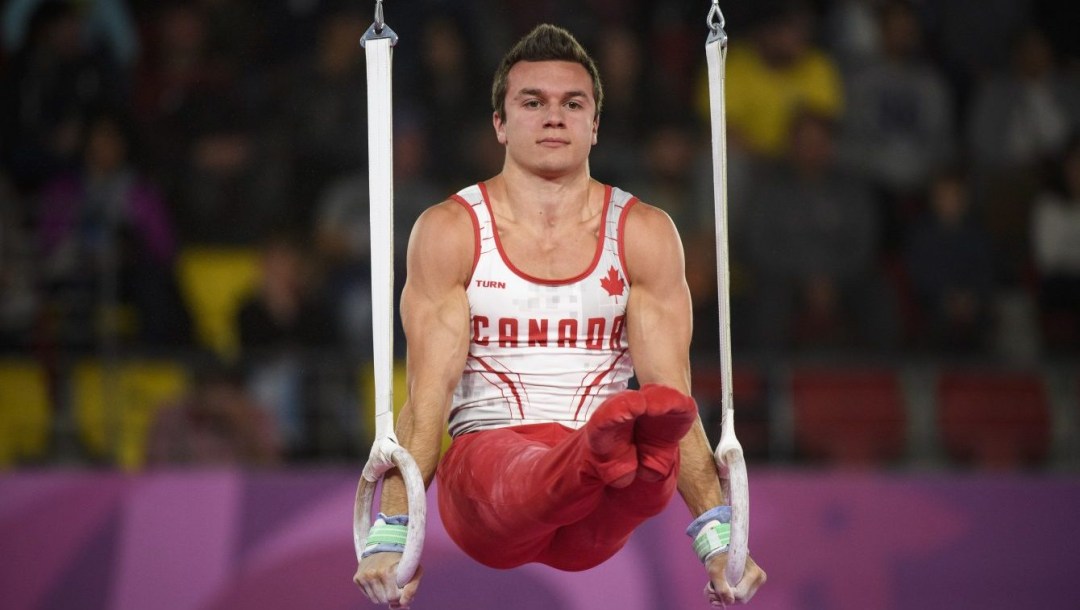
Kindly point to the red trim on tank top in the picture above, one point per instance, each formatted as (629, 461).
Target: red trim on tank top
(557, 282)
(620, 236)
(476, 234)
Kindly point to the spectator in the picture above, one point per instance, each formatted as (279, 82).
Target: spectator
(854, 31)
(174, 70)
(1056, 240)
(1022, 117)
(812, 247)
(217, 423)
(52, 84)
(107, 23)
(899, 124)
(449, 91)
(619, 56)
(667, 178)
(951, 268)
(970, 37)
(18, 272)
(201, 118)
(287, 311)
(1019, 121)
(232, 186)
(326, 115)
(343, 243)
(342, 231)
(105, 234)
(674, 41)
(772, 78)
(283, 328)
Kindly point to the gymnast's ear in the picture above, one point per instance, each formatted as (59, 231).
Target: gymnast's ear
(500, 127)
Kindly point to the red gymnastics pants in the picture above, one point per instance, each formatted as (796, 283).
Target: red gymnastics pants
(566, 498)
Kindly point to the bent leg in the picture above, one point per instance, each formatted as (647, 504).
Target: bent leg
(668, 416)
(504, 493)
(490, 502)
(564, 497)
(594, 539)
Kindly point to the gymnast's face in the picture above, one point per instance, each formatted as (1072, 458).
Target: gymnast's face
(551, 122)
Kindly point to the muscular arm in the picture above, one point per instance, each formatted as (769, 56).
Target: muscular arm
(435, 314)
(659, 323)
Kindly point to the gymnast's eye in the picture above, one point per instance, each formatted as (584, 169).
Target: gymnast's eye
(574, 105)
(532, 103)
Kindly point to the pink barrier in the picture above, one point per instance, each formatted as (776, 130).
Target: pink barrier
(281, 540)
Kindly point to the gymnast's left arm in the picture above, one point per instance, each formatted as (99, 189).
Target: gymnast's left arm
(659, 326)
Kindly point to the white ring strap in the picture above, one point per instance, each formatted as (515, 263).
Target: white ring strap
(729, 453)
(386, 453)
(381, 204)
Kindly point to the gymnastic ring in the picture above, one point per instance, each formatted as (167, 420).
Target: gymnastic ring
(729, 457)
(374, 470)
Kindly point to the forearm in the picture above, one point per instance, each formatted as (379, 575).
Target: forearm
(699, 481)
(421, 436)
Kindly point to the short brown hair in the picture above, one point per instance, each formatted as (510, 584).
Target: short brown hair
(545, 43)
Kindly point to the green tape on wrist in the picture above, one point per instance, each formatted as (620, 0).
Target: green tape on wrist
(382, 533)
(712, 539)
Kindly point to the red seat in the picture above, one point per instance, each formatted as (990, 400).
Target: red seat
(994, 419)
(751, 408)
(850, 417)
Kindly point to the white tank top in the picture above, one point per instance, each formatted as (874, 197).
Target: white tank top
(542, 351)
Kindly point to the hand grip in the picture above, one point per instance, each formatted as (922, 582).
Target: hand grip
(385, 456)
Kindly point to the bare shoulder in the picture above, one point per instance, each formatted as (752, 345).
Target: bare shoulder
(651, 240)
(447, 216)
(646, 222)
(442, 242)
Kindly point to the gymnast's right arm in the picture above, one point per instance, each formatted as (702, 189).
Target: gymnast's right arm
(435, 315)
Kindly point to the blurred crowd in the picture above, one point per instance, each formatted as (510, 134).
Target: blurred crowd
(904, 176)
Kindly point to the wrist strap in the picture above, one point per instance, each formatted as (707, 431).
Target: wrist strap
(387, 535)
(711, 532)
(716, 513)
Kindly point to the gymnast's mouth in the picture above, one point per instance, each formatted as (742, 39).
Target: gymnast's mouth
(553, 142)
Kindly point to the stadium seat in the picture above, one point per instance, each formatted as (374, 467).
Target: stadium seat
(214, 283)
(848, 417)
(994, 419)
(25, 412)
(750, 401)
(115, 406)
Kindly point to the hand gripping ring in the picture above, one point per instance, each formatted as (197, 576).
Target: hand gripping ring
(386, 454)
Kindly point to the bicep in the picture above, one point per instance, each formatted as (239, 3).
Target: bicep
(434, 307)
(659, 314)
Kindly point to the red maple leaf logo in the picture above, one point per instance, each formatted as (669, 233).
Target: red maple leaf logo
(613, 283)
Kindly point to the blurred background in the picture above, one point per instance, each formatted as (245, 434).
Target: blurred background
(184, 263)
